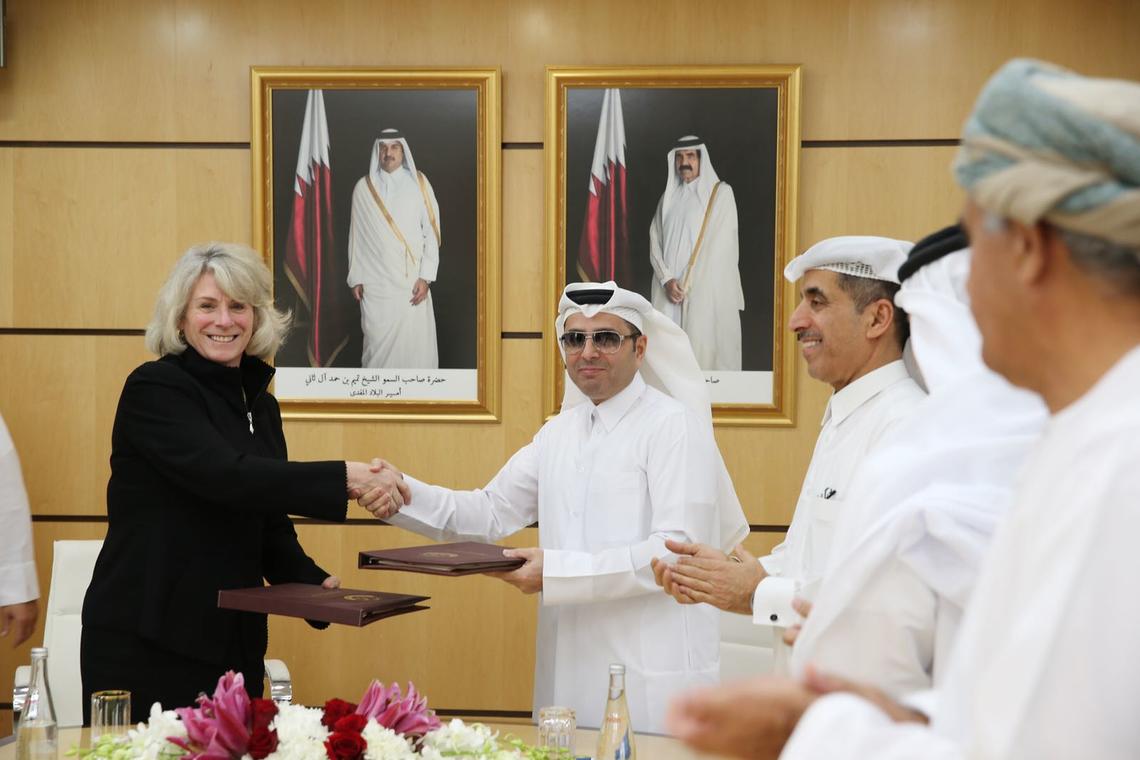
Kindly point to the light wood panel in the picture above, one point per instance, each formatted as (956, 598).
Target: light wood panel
(58, 399)
(873, 69)
(93, 232)
(7, 257)
(523, 256)
(900, 192)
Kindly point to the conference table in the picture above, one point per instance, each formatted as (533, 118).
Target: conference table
(648, 747)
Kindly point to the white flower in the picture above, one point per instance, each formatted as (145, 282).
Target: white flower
(462, 742)
(385, 744)
(300, 735)
(149, 740)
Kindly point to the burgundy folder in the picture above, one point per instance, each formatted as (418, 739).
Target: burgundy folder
(462, 558)
(347, 606)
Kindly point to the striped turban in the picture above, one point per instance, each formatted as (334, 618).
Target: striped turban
(1044, 143)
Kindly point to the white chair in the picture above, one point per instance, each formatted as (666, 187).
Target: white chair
(746, 649)
(73, 562)
(71, 568)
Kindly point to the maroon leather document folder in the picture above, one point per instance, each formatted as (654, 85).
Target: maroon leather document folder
(347, 606)
(462, 558)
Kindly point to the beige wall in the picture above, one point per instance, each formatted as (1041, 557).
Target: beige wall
(124, 128)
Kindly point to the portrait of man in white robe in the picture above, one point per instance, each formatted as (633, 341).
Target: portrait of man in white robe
(393, 254)
(694, 247)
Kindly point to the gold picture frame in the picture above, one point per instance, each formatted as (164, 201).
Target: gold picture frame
(450, 122)
(751, 115)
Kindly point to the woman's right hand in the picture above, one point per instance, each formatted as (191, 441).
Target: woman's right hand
(378, 487)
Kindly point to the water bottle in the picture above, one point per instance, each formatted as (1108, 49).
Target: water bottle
(615, 737)
(36, 737)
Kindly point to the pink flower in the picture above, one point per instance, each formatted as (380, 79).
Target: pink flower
(406, 715)
(218, 729)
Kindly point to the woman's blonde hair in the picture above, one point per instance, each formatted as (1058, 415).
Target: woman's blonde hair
(241, 274)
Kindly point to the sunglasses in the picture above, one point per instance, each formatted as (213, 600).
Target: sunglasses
(605, 341)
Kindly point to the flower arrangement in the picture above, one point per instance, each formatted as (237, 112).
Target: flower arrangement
(387, 724)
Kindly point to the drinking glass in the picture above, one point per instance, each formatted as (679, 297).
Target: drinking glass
(556, 727)
(110, 713)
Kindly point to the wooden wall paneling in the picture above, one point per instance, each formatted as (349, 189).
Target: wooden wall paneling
(7, 257)
(95, 231)
(58, 399)
(89, 71)
(523, 245)
(43, 534)
(212, 189)
(178, 70)
(903, 192)
(474, 650)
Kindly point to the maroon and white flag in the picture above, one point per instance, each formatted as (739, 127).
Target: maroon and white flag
(603, 251)
(311, 264)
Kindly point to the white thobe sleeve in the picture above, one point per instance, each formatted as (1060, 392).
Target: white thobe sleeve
(841, 726)
(355, 238)
(17, 562)
(506, 505)
(884, 634)
(681, 473)
(429, 263)
(773, 563)
(770, 593)
(656, 257)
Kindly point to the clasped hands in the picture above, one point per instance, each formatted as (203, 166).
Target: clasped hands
(705, 574)
(379, 487)
(726, 581)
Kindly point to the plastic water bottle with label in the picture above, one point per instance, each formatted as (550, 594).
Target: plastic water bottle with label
(615, 736)
(36, 732)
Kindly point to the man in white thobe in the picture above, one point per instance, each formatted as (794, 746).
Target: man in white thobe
(694, 247)
(393, 257)
(19, 589)
(852, 338)
(629, 463)
(924, 506)
(1045, 665)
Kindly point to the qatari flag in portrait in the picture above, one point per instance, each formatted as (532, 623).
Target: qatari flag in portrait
(603, 252)
(311, 264)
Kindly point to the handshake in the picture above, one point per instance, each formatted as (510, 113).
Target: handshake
(378, 487)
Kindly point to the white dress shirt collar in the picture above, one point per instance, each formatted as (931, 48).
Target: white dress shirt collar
(853, 395)
(611, 411)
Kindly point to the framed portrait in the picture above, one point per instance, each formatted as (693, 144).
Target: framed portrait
(680, 183)
(376, 199)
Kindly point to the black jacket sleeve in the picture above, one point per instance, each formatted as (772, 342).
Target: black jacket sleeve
(163, 415)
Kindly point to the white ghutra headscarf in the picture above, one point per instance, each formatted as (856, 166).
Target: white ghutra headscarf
(669, 366)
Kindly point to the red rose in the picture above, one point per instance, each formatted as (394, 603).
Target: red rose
(264, 710)
(262, 742)
(345, 745)
(335, 709)
(354, 723)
